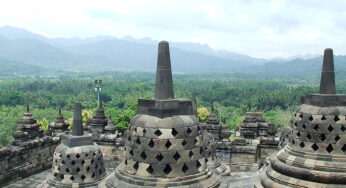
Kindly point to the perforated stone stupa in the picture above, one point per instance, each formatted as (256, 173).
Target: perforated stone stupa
(164, 145)
(316, 153)
(77, 161)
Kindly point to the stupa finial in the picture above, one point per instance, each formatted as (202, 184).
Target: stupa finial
(77, 120)
(327, 85)
(164, 81)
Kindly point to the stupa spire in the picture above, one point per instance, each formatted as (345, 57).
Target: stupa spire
(77, 120)
(164, 81)
(327, 85)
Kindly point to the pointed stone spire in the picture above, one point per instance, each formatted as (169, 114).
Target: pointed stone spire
(327, 85)
(77, 120)
(164, 81)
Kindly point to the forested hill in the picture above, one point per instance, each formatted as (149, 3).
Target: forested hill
(26, 53)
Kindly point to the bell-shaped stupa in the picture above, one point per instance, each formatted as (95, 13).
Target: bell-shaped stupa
(315, 155)
(77, 161)
(164, 145)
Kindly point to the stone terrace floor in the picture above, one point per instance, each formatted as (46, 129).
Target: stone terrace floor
(238, 180)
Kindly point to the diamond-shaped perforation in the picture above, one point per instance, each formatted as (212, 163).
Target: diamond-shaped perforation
(323, 118)
(144, 131)
(308, 136)
(298, 134)
(323, 137)
(304, 126)
(188, 131)
(150, 169)
(316, 127)
(344, 148)
(174, 132)
(67, 170)
(176, 156)
(301, 115)
(185, 168)
(183, 143)
(138, 141)
(83, 177)
(336, 118)
(167, 169)
(129, 139)
(330, 128)
(143, 155)
(337, 138)
(72, 178)
(168, 144)
(158, 133)
(159, 157)
(195, 141)
(151, 143)
(78, 169)
(314, 147)
(330, 148)
(311, 118)
(302, 144)
(135, 166)
(131, 152)
(73, 163)
(343, 128)
(77, 156)
(93, 175)
(198, 164)
(190, 154)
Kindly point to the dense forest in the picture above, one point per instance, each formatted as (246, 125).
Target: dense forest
(229, 96)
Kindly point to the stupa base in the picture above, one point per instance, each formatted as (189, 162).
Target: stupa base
(120, 179)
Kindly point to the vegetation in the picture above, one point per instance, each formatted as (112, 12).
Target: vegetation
(229, 97)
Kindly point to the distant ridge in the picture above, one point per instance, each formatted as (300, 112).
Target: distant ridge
(106, 53)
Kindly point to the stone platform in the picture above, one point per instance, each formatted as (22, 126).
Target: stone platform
(238, 180)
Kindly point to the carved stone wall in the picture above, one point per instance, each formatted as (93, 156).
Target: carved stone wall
(32, 157)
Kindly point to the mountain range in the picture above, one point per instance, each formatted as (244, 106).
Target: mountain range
(24, 52)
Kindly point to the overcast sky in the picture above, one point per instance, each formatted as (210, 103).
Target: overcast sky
(259, 28)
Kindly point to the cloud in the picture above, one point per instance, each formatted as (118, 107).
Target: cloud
(268, 28)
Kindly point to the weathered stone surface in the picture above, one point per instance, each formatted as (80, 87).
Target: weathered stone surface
(164, 141)
(32, 156)
(59, 126)
(254, 126)
(28, 129)
(164, 80)
(327, 85)
(99, 122)
(77, 129)
(77, 161)
(315, 155)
